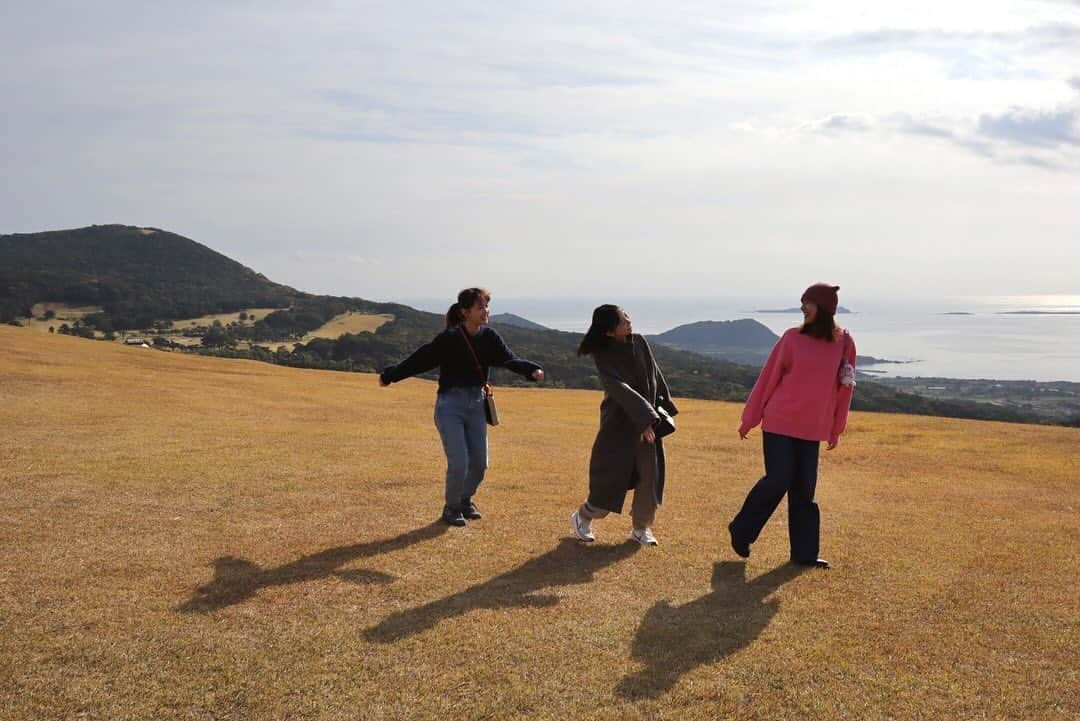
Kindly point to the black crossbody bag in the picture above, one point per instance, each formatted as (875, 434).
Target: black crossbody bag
(490, 411)
(665, 426)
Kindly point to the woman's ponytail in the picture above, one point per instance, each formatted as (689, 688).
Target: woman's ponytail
(453, 315)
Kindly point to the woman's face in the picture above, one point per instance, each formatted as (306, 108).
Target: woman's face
(477, 314)
(624, 327)
(809, 311)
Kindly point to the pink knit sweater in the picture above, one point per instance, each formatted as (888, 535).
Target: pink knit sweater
(798, 393)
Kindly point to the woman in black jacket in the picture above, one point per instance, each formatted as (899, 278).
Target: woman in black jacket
(463, 353)
(627, 452)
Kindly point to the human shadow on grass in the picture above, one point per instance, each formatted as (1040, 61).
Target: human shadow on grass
(237, 579)
(673, 640)
(568, 564)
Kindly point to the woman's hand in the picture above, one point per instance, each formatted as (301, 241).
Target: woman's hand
(648, 435)
(537, 375)
(831, 446)
(742, 436)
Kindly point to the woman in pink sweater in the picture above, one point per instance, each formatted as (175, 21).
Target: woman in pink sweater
(800, 399)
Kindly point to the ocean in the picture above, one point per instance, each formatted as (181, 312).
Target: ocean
(999, 337)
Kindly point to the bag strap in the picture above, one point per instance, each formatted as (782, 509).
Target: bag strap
(476, 359)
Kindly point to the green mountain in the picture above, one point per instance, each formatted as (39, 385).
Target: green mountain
(137, 275)
(516, 320)
(144, 278)
(741, 341)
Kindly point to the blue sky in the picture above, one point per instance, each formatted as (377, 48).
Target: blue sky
(407, 149)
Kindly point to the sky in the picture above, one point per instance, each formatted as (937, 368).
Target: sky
(681, 149)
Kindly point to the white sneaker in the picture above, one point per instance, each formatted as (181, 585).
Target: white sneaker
(582, 528)
(644, 537)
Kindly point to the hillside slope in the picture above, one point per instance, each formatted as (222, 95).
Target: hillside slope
(516, 320)
(137, 275)
(741, 341)
(191, 537)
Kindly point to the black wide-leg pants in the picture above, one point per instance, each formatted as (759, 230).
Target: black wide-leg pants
(791, 466)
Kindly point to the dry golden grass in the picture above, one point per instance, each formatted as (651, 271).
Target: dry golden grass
(190, 537)
(64, 314)
(351, 322)
(225, 318)
(64, 311)
(184, 340)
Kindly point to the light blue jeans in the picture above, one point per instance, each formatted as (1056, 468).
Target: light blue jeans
(459, 416)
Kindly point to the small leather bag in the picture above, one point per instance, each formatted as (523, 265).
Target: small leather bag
(665, 426)
(491, 413)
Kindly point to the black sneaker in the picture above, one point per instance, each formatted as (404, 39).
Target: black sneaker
(452, 516)
(470, 511)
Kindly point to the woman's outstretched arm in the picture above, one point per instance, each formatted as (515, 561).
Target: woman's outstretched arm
(423, 359)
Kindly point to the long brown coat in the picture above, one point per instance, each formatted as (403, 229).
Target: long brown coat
(633, 388)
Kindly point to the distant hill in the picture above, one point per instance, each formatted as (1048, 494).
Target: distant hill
(144, 277)
(137, 275)
(741, 341)
(516, 320)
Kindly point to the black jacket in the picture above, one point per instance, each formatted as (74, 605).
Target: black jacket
(450, 353)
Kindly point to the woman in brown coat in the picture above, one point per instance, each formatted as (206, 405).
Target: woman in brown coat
(627, 452)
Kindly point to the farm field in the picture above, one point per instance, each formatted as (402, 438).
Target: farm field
(351, 322)
(67, 314)
(63, 312)
(224, 318)
(193, 537)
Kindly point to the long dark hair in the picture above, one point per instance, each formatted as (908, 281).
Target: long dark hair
(604, 319)
(465, 299)
(823, 327)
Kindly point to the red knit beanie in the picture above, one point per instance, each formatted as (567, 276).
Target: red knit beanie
(823, 296)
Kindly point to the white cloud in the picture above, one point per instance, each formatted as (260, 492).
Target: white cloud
(551, 145)
(1040, 128)
(1038, 137)
(845, 122)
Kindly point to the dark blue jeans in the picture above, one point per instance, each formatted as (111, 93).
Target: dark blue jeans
(462, 424)
(790, 467)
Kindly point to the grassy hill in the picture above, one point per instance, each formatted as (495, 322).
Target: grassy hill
(190, 537)
(741, 341)
(137, 275)
(500, 319)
